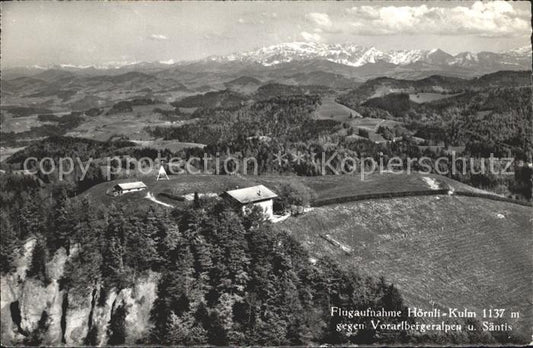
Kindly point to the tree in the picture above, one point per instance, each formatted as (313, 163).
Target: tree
(117, 326)
(38, 262)
(196, 200)
(64, 225)
(386, 132)
(113, 268)
(363, 132)
(291, 194)
(83, 268)
(140, 242)
(177, 330)
(30, 217)
(9, 245)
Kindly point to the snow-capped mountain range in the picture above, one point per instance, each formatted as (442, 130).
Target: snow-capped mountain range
(278, 61)
(345, 54)
(357, 56)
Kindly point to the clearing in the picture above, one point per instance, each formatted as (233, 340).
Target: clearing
(372, 124)
(130, 124)
(331, 110)
(171, 145)
(319, 187)
(429, 97)
(5, 152)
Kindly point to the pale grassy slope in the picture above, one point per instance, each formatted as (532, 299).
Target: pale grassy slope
(446, 251)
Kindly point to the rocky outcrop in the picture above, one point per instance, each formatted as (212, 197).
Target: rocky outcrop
(28, 305)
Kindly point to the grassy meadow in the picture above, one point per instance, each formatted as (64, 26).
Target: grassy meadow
(464, 252)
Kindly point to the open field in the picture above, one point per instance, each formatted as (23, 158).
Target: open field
(384, 90)
(187, 110)
(25, 123)
(372, 124)
(331, 110)
(429, 97)
(171, 145)
(441, 251)
(5, 152)
(177, 185)
(319, 187)
(130, 124)
(20, 124)
(102, 129)
(327, 187)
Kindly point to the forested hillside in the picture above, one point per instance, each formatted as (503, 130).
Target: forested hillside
(222, 278)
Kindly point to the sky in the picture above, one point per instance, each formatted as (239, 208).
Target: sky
(86, 33)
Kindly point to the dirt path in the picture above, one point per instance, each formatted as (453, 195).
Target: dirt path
(151, 197)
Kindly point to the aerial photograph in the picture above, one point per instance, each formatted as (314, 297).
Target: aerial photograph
(266, 174)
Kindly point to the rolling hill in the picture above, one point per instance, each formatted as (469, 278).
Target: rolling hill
(226, 98)
(381, 86)
(335, 66)
(243, 84)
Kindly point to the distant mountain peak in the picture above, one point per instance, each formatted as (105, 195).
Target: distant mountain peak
(438, 51)
(525, 50)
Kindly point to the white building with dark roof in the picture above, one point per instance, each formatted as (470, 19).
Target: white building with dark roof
(126, 187)
(259, 196)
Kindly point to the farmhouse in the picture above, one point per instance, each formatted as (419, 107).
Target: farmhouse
(259, 196)
(126, 187)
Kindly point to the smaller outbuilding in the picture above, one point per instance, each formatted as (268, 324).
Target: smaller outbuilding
(127, 187)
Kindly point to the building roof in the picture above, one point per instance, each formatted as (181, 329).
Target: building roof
(132, 185)
(251, 194)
